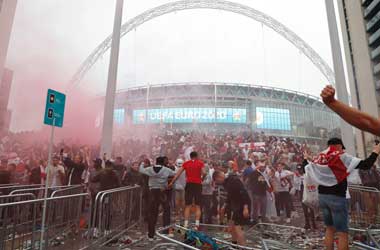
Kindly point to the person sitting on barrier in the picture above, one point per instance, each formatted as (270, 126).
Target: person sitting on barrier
(56, 173)
(107, 177)
(238, 202)
(158, 184)
(330, 171)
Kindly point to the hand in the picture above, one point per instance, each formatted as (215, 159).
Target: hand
(328, 95)
(170, 186)
(376, 149)
(246, 212)
(306, 155)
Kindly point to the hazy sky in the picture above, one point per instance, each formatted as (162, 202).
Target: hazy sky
(51, 38)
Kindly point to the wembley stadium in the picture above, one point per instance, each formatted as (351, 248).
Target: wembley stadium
(228, 106)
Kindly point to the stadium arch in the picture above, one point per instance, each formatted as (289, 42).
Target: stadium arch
(228, 6)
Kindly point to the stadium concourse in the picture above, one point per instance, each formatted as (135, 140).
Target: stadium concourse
(105, 203)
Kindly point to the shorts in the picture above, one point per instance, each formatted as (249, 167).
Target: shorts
(237, 218)
(193, 194)
(335, 211)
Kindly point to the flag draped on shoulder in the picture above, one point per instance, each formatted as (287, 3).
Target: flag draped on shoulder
(331, 167)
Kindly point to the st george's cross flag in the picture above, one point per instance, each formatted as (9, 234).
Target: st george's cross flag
(331, 167)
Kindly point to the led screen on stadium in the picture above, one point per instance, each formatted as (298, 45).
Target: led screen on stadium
(190, 115)
(119, 116)
(272, 118)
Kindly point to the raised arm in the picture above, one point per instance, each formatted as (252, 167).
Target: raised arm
(356, 118)
(144, 170)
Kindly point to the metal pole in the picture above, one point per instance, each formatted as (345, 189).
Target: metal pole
(107, 130)
(340, 80)
(215, 101)
(48, 168)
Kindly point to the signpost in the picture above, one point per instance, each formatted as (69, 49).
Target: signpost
(54, 114)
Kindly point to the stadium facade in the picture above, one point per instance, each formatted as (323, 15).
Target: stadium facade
(209, 105)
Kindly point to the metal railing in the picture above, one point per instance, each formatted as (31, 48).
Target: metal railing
(52, 191)
(20, 222)
(115, 211)
(16, 198)
(8, 188)
(364, 207)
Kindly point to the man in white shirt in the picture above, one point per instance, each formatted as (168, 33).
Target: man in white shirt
(246, 152)
(56, 173)
(179, 188)
(282, 182)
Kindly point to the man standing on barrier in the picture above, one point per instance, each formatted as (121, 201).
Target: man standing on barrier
(158, 185)
(195, 172)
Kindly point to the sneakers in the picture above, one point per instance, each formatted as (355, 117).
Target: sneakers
(288, 220)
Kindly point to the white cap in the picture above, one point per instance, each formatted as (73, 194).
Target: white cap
(179, 162)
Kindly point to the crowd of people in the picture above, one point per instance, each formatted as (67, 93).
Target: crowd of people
(241, 176)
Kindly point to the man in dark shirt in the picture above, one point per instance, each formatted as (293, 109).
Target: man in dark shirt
(333, 201)
(258, 184)
(75, 170)
(133, 176)
(107, 178)
(119, 167)
(238, 203)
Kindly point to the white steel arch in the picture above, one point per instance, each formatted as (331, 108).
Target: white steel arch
(237, 8)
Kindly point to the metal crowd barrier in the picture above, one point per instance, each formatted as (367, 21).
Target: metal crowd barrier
(364, 207)
(68, 190)
(8, 188)
(114, 212)
(20, 222)
(16, 198)
(52, 191)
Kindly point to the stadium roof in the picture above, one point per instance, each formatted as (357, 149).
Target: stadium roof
(239, 91)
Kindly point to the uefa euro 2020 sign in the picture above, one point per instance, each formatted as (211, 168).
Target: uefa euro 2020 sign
(189, 115)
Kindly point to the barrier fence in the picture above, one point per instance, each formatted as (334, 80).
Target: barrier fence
(114, 212)
(20, 222)
(8, 188)
(364, 207)
(39, 191)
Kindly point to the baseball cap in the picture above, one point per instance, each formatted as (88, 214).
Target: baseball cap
(336, 141)
(179, 162)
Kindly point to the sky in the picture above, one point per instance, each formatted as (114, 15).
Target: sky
(51, 38)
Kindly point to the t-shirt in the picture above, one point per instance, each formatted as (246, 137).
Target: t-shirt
(193, 170)
(257, 183)
(237, 195)
(54, 176)
(181, 181)
(281, 183)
